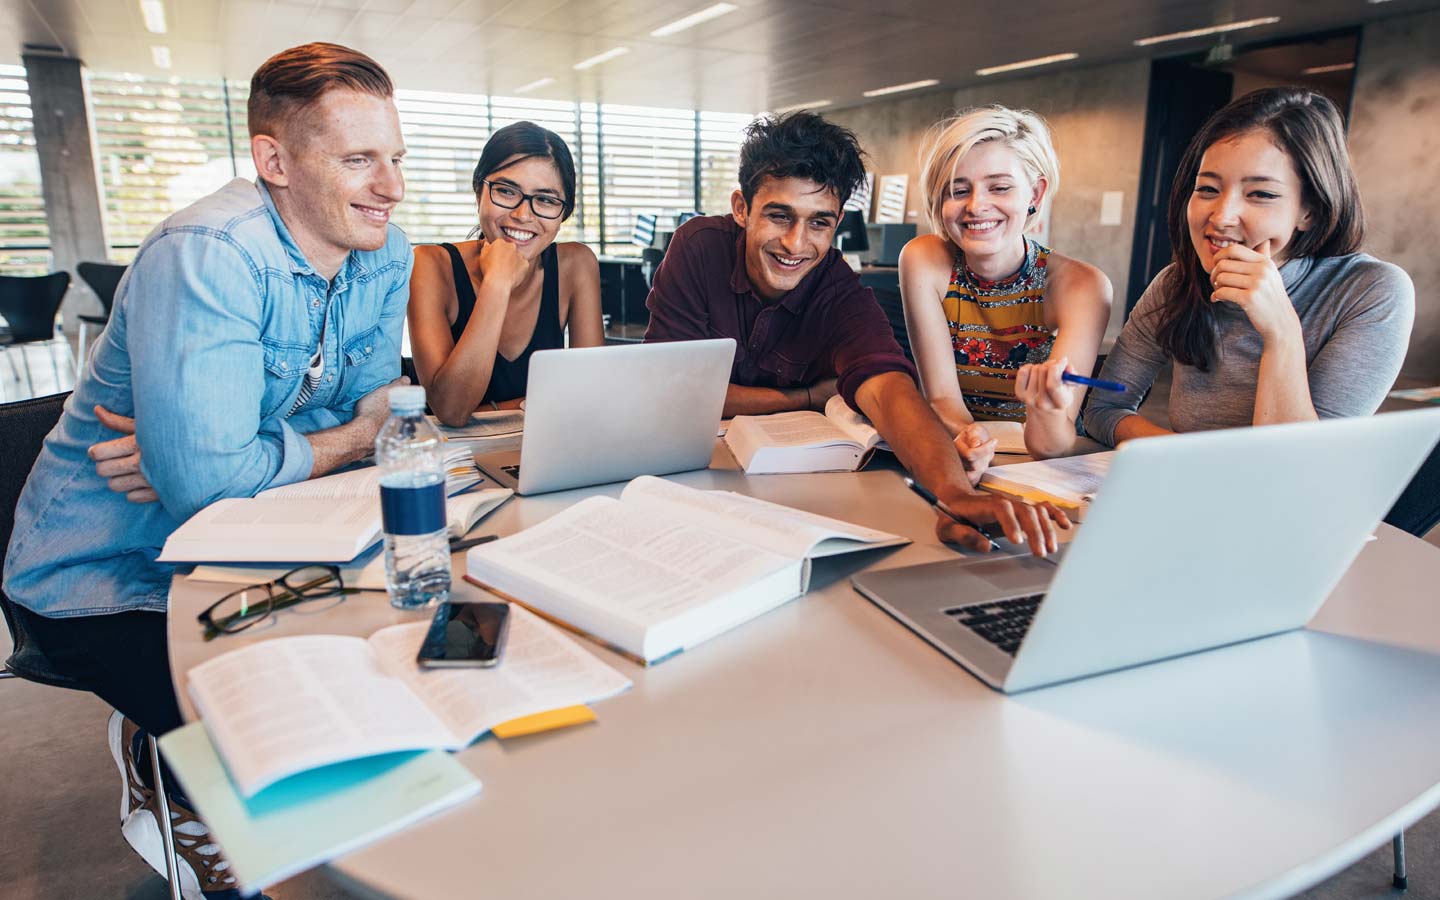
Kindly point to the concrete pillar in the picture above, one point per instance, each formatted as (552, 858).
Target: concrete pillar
(69, 179)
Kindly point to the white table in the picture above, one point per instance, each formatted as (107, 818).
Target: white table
(825, 751)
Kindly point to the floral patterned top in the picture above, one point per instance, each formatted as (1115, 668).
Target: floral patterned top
(995, 328)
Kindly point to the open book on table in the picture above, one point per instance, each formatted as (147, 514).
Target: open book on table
(1070, 481)
(325, 520)
(664, 567)
(838, 440)
(290, 704)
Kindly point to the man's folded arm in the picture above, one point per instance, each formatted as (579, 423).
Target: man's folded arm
(198, 377)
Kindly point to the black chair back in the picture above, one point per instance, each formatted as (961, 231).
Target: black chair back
(1418, 509)
(23, 427)
(650, 258)
(30, 304)
(103, 279)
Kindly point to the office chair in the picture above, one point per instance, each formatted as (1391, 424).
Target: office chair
(30, 305)
(649, 262)
(103, 279)
(23, 427)
(1416, 512)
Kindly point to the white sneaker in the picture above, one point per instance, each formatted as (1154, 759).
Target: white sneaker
(142, 830)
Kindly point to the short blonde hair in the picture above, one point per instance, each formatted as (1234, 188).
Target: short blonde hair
(949, 140)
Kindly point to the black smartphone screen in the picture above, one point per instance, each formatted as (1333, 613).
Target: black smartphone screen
(466, 634)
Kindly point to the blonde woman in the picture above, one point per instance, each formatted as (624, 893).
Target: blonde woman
(994, 317)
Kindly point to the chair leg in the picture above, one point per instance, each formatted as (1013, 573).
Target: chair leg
(172, 870)
(29, 381)
(80, 356)
(1399, 880)
(54, 366)
(11, 360)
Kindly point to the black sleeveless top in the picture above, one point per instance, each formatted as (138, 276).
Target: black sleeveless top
(508, 379)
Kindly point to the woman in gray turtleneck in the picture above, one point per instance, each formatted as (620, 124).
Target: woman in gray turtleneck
(1269, 312)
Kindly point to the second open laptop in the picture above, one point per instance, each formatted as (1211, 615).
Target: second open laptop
(1193, 542)
(594, 415)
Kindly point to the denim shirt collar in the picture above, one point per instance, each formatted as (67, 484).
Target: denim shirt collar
(299, 265)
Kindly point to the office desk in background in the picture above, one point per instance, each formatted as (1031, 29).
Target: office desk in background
(823, 750)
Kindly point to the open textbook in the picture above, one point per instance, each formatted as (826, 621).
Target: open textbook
(330, 519)
(840, 440)
(290, 704)
(665, 566)
(1071, 481)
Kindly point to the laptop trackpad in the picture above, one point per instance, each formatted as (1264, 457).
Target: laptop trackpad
(1013, 575)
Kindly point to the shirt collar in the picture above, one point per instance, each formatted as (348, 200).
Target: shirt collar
(792, 302)
(299, 265)
(1293, 271)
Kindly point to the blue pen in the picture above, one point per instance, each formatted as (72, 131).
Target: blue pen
(1114, 386)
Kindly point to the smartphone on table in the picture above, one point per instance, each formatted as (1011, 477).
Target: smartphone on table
(465, 634)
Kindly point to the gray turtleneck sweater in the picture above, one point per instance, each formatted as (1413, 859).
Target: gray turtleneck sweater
(1355, 313)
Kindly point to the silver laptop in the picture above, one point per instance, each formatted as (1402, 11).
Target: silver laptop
(594, 415)
(1193, 542)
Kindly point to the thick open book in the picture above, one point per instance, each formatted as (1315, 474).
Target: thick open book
(324, 520)
(839, 440)
(291, 704)
(664, 567)
(1070, 481)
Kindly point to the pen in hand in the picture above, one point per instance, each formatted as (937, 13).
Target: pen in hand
(924, 494)
(1112, 386)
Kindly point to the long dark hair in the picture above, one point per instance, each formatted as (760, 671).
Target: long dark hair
(526, 140)
(1308, 128)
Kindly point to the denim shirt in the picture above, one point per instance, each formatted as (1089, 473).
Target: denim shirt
(209, 340)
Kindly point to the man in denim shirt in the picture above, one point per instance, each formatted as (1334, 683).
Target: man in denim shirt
(252, 341)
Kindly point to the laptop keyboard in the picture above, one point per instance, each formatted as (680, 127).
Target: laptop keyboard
(512, 471)
(1001, 622)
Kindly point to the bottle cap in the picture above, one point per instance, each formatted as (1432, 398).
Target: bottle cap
(407, 398)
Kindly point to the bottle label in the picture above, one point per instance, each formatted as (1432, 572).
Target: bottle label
(413, 510)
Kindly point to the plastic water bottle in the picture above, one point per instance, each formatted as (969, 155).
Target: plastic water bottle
(411, 457)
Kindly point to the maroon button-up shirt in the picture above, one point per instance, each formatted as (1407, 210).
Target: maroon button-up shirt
(829, 326)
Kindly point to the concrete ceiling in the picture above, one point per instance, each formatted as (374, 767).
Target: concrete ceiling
(768, 54)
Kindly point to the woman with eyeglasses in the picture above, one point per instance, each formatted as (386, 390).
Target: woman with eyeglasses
(480, 308)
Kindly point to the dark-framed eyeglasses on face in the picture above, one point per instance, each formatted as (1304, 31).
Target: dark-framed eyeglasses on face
(250, 605)
(508, 196)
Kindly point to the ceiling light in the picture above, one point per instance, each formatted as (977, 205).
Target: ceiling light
(1321, 70)
(811, 104)
(695, 18)
(897, 88)
(161, 55)
(1028, 63)
(602, 58)
(1201, 32)
(535, 85)
(153, 12)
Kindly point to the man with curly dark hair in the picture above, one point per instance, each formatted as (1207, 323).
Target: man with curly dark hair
(806, 328)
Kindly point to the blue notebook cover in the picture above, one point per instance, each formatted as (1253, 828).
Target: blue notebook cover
(315, 816)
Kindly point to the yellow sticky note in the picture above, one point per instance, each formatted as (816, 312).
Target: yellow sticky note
(545, 721)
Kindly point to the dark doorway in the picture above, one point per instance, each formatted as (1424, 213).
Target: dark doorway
(1182, 97)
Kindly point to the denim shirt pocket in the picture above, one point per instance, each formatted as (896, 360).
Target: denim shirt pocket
(360, 348)
(285, 366)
